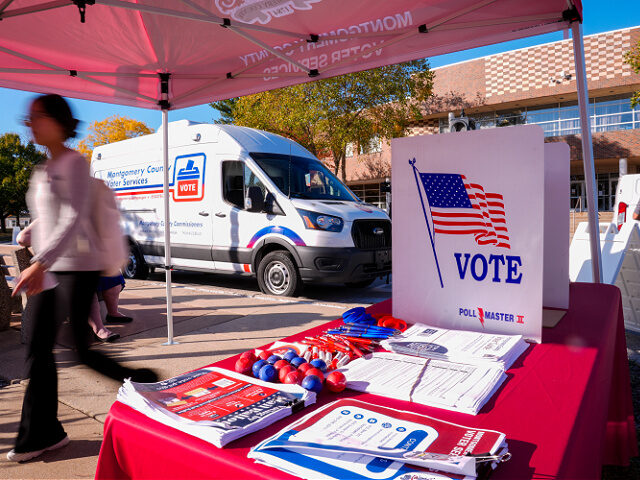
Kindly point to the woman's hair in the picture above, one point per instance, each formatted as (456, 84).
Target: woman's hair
(57, 108)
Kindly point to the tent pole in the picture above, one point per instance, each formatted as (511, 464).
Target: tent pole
(587, 151)
(165, 188)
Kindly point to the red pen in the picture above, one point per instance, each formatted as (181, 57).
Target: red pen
(355, 349)
(340, 343)
(334, 344)
(361, 341)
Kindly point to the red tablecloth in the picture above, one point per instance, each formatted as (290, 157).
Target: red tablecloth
(566, 410)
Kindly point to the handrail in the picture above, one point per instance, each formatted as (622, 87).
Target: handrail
(573, 213)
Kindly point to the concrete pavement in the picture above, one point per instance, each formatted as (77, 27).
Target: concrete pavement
(211, 323)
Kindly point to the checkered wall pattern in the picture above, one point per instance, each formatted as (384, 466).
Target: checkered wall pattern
(426, 127)
(539, 67)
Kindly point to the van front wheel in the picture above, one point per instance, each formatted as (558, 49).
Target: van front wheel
(136, 267)
(278, 275)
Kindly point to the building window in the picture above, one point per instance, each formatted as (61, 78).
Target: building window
(370, 193)
(614, 114)
(606, 114)
(374, 146)
(349, 150)
(606, 186)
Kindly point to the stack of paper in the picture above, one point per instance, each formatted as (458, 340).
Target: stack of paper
(214, 404)
(353, 439)
(452, 386)
(460, 346)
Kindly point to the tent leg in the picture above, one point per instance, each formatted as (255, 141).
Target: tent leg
(587, 151)
(167, 230)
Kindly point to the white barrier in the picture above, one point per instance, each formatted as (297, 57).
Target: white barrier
(14, 237)
(620, 264)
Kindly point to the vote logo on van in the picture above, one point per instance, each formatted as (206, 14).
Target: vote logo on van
(188, 181)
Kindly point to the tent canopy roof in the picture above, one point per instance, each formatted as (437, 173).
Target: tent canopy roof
(217, 49)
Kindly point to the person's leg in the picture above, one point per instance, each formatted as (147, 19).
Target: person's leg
(39, 425)
(95, 322)
(111, 297)
(79, 302)
(95, 319)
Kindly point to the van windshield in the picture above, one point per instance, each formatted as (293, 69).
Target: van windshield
(299, 177)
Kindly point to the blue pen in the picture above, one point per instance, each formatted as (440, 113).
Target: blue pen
(369, 329)
(358, 334)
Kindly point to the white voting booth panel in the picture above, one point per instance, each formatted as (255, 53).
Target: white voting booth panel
(467, 236)
(620, 264)
(555, 285)
(14, 235)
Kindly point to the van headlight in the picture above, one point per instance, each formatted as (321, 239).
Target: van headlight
(321, 221)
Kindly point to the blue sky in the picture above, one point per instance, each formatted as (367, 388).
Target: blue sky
(599, 16)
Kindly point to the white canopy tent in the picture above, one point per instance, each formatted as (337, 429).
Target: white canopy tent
(173, 54)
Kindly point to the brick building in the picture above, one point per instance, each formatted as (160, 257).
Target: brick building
(534, 85)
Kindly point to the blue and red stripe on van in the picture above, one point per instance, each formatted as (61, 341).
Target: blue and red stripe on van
(284, 231)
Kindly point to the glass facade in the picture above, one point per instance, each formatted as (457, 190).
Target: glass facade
(370, 193)
(606, 185)
(375, 146)
(607, 114)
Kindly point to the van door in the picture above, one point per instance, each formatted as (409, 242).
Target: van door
(192, 192)
(233, 224)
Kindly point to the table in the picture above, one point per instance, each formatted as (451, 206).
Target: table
(566, 410)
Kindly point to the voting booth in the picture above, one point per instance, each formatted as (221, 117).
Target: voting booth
(471, 214)
(620, 263)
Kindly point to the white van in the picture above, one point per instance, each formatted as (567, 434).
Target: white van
(243, 201)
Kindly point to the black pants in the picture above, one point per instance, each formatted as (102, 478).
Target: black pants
(39, 424)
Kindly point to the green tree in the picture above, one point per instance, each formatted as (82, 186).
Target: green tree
(632, 58)
(16, 164)
(326, 115)
(109, 130)
(226, 109)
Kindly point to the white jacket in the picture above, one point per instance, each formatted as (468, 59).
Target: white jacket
(60, 199)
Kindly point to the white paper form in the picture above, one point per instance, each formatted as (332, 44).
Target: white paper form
(458, 345)
(466, 342)
(381, 372)
(443, 384)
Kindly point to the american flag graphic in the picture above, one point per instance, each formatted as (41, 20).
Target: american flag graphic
(459, 207)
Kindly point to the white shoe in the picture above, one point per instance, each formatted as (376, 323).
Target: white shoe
(23, 457)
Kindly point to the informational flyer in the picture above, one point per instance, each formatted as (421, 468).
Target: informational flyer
(353, 439)
(214, 404)
(205, 395)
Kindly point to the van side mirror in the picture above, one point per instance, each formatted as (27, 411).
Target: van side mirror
(254, 201)
(271, 205)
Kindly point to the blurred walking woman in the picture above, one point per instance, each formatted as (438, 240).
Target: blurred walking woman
(63, 277)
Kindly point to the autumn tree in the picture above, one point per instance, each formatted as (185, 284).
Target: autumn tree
(632, 58)
(109, 130)
(326, 115)
(16, 164)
